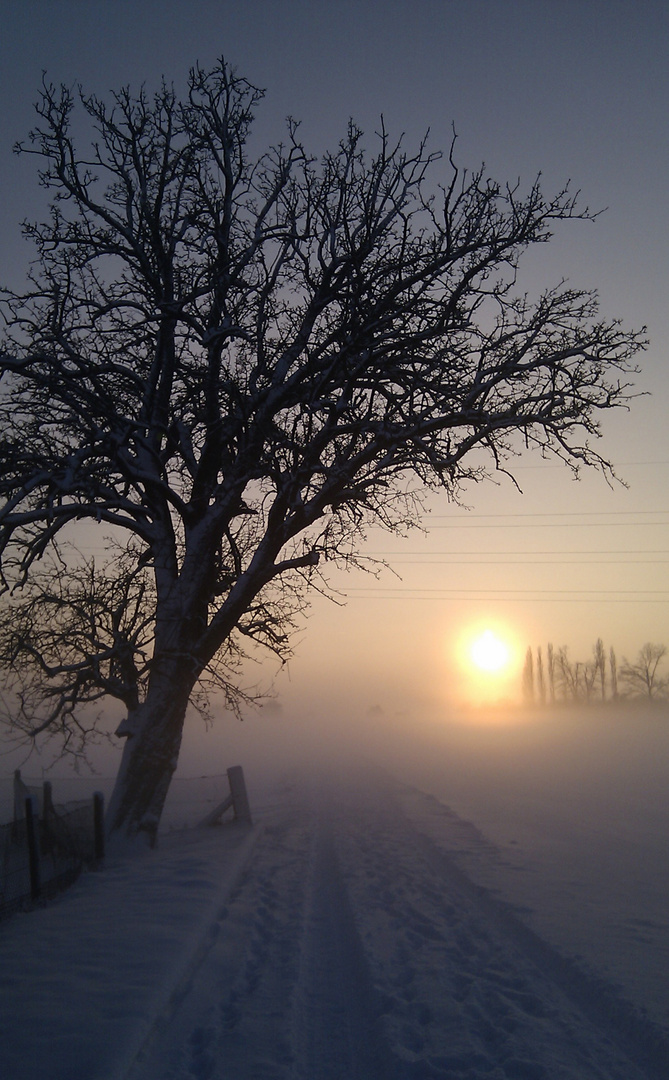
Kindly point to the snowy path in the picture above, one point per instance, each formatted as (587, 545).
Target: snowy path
(340, 939)
(283, 991)
(354, 947)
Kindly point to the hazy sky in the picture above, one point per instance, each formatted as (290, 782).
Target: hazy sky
(572, 88)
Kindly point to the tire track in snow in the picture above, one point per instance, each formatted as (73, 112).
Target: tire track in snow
(335, 1020)
(229, 1021)
(354, 948)
(283, 992)
(470, 991)
(624, 1025)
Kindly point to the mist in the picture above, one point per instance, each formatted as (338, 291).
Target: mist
(562, 812)
(560, 815)
(571, 805)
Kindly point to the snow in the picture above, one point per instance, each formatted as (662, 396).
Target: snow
(489, 905)
(579, 816)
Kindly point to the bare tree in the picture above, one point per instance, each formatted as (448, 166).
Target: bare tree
(541, 682)
(238, 365)
(587, 678)
(577, 679)
(528, 678)
(613, 669)
(600, 665)
(569, 675)
(643, 678)
(550, 670)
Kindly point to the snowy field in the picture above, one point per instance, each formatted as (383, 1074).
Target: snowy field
(490, 904)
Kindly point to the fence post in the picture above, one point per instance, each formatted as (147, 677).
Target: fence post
(99, 825)
(240, 799)
(19, 797)
(47, 817)
(33, 850)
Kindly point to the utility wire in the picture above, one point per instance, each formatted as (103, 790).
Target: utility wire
(555, 513)
(521, 592)
(589, 551)
(561, 465)
(528, 561)
(562, 525)
(516, 599)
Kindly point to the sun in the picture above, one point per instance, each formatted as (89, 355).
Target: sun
(489, 653)
(488, 656)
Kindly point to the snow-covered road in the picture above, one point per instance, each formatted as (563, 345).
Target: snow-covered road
(355, 947)
(341, 937)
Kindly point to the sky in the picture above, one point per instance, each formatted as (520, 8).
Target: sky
(574, 90)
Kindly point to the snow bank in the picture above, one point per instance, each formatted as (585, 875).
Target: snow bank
(82, 979)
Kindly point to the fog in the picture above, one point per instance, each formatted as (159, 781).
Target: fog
(573, 805)
(561, 815)
(569, 807)
(617, 753)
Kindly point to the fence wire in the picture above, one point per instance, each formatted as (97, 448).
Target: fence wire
(65, 842)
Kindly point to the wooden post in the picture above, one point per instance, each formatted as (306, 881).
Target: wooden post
(33, 850)
(19, 799)
(47, 816)
(240, 799)
(47, 799)
(99, 825)
(237, 800)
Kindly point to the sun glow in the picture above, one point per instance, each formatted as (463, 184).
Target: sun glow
(488, 657)
(489, 653)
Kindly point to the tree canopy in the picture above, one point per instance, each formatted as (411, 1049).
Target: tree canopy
(237, 365)
(642, 677)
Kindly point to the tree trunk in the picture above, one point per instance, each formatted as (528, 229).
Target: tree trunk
(149, 760)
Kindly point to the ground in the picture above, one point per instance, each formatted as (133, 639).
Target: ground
(341, 936)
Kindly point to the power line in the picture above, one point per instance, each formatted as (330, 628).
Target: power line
(516, 599)
(543, 596)
(521, 592)
(524, 562)
(589, 551)
(616, 465)
(555, 513)
(562, 525)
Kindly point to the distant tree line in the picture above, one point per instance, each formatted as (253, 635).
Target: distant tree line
(552, 677)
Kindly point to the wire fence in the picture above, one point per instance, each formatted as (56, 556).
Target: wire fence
(45, 846)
